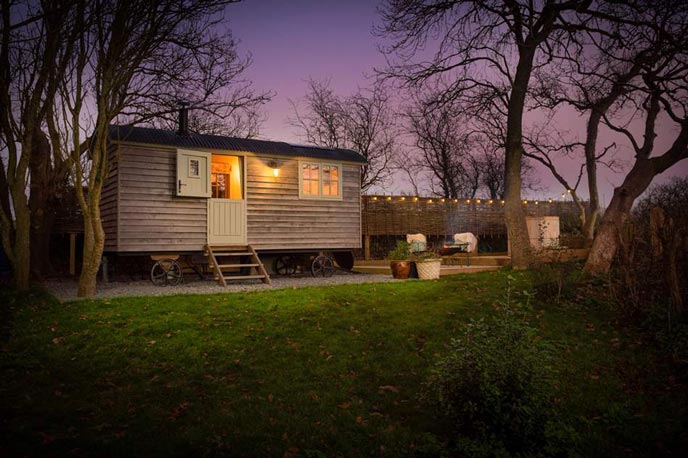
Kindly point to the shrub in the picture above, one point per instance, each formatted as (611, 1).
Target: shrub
(495, 388)
(555, 280)
(401, 252)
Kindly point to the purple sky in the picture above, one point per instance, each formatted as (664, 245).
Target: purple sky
(291, 41)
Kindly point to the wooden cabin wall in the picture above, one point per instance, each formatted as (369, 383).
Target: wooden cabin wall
(151, 217)
(278, 220)
(142, 213)
(109, 201)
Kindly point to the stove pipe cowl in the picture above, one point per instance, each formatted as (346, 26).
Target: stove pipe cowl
(183, 118)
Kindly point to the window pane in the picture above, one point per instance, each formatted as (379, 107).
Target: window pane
(330, 180)
(310, 179)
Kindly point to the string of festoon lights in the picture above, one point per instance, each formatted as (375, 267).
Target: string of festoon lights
(456, 201)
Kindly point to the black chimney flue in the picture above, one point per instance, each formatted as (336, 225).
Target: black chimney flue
(183, 118)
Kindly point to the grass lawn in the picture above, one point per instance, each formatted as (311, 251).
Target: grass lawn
(332, 371)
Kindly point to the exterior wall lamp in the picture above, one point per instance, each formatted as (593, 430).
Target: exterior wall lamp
(274, 167)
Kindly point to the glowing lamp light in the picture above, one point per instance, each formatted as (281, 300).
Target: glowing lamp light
(537, 202)
(415, 199)
(477, 201)
(456, 200)
(429, 201)
(402, 198)
(374, 198)
(275, 169)
(490, 201)
(525, 202)
(502, 202)
(389, 197)
(441, 200)
(549, 200)
(468, 201)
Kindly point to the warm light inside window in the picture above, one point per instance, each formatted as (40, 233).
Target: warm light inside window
(275, 172)
(320, 180)
(226, 177)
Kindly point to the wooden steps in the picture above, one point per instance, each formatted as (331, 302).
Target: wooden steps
(227, 260)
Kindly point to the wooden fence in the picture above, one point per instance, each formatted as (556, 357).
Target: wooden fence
(386, 219)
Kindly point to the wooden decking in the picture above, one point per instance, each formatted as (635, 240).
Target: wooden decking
(444, 270)
(451, 265)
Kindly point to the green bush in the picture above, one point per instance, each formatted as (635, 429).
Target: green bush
(555, 280)
(496, 388)
(401, 252)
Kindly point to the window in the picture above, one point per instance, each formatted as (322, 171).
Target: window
(320, 181)
(194, 168)
(226, 177)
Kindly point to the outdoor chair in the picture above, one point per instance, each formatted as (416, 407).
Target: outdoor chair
(418, 242)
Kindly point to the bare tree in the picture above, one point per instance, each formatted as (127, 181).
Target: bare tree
(130, 54)
(35, 44)
(362, 122)
(597, 75)
(444, 147)
(243, 122)
(484, 49)
(664, 93)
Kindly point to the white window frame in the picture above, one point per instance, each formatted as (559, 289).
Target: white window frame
(320, 195)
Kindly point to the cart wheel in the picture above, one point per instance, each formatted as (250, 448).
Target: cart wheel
(284, 265)
(322, 266)
(166, 272)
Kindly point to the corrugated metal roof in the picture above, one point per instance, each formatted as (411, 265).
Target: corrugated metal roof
(170, 138)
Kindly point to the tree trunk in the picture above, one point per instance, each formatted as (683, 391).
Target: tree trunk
(94, 243)
(636, 182)
(606, 242)
(593, 208)
(22, 248)
(588, 228)
(39, 198)
(514, 215)
(673, 241)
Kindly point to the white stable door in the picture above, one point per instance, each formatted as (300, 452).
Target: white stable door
(227, 206)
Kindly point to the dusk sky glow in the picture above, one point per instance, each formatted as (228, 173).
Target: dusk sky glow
(291, 41)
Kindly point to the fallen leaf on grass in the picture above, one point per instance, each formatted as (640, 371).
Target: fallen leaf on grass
(391, 388)
(292, 452)
(152, 342)
(314, 396)
(180, 409)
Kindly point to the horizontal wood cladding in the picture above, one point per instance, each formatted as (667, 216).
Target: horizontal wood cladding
(141, 212)
(151, 217)
(279, 220)
(109, 203)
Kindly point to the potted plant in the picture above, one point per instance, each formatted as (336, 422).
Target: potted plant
(399, 261)
(428, 265)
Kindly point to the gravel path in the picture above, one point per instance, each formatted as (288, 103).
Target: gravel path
(65, 290)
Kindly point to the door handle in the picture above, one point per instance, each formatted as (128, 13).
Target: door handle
(179, 191)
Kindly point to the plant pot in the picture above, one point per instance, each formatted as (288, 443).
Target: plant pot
(400, 269)
(429, 270)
